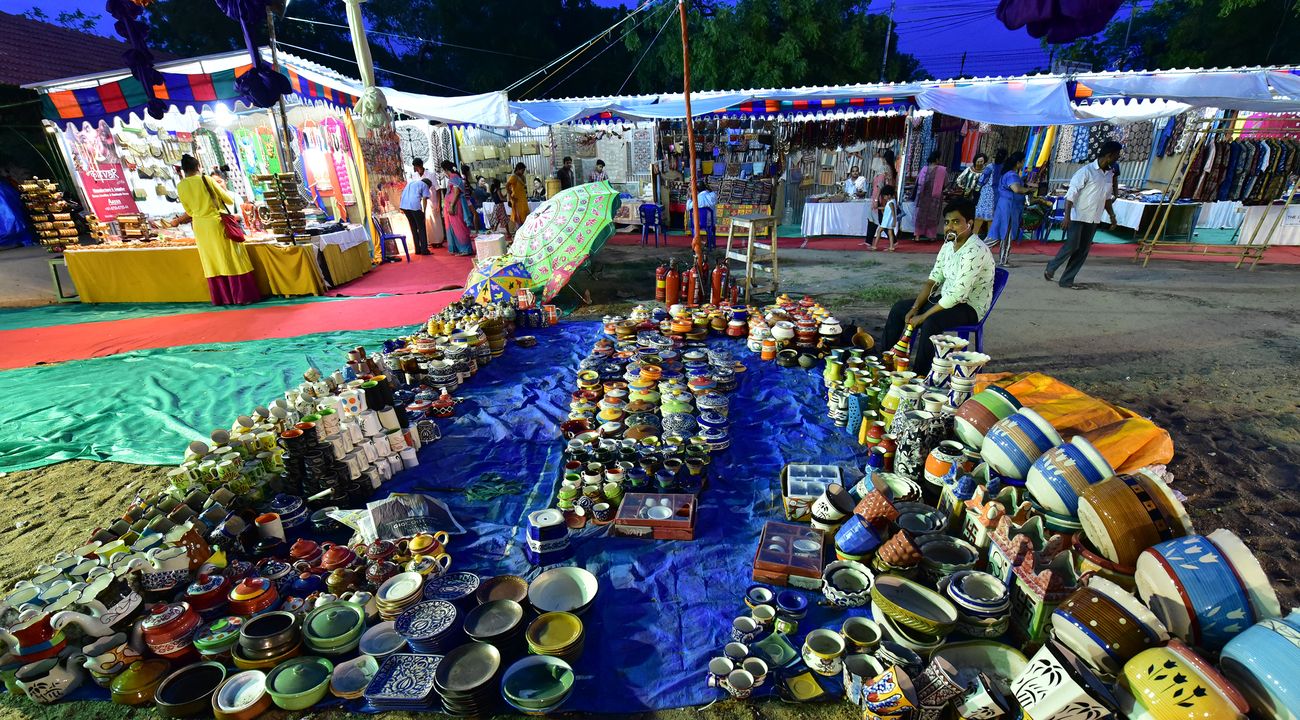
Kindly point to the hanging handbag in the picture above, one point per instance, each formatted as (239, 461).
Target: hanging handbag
(230, 223)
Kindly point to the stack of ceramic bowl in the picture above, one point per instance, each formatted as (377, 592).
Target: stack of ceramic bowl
(382, 640)
(457, 588)
(563, 589)
(334, 628)
(557, 634)
(218, 638)
(267, 640)
(983, 603)
(404, 682)
(429, 626)
(497, 622)
(537, 685)
(299, 683)
(398, 593)
(467, 680)
(495, 332)
(911, 614)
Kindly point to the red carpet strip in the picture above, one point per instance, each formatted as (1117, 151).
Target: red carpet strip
(425, 273)
(59, 343)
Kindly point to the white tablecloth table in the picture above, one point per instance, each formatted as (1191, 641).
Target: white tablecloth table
(1287, 232)
(1223, 215)
(835, 218)
(345, 239)
(1136, 215)
(490, 207)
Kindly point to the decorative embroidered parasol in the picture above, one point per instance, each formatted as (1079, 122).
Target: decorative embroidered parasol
(496, 279)
(561, 234)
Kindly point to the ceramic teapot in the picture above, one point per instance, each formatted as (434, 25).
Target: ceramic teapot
(107, 657)
(48, 680)
(33, 638)
(170, 566)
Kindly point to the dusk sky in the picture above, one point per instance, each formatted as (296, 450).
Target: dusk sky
(936, 32)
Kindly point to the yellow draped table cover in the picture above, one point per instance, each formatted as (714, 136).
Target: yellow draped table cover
(174, 274)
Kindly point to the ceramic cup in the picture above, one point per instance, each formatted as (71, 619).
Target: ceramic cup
(857, 536)
(833, 506)
(740, 683)
(719, 669)
(823, 651)
(859, 671)
(764, 615)
(745, 630)
(861, 635)
(1174, 682)
(736, 652)
(757, 668)
(269, 526)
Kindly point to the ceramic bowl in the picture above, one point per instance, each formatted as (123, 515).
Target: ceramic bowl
(978, 596)
(1205, 589)
(563, 589)
(382, 640)
(1057, 477)
(553, 633)
(1126, 514)
(981, 412)
(998, 662)
(189, 691)
(242, 696)
(351, 678)
(914, 606)
(299, 683)
(919, 519)
(847, 583)
(333, 627)
(138, 683)
(537, 682)
(268, 633)
(1264, 664)
(244, 662)
(1013, 444)
(1105, 626)
(1174, 683)
(943, 555)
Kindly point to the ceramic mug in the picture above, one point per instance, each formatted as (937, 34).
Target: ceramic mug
(764, 615)
(889, 695)
(736, 651)
(1056, 478)
(269, 526)
(745, 630)
(719, 669)
(823, 651)
(833, 506)
(740, 683)
(757, 668)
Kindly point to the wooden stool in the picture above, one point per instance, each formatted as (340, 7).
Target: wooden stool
(757, 225)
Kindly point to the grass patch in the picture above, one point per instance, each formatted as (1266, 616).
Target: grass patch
(882, 293)
(868, 263)
(918, 267)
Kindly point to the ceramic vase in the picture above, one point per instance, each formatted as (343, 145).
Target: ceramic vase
(1013, 444)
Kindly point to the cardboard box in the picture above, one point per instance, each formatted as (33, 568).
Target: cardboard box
(778, 561)
(635, 519)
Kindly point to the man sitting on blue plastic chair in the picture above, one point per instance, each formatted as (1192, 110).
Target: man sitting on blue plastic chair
(708, 210)
(959, 290)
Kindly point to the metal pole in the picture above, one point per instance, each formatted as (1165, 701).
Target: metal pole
(696, 243)
(889, 32)
(283, 140)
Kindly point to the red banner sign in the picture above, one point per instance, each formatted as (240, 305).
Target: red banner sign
(107, 192)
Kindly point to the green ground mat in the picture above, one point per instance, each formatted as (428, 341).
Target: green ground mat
(144, 407)
(72, 313)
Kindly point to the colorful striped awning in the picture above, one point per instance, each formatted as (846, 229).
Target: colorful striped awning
(126, 96)
(815, 105)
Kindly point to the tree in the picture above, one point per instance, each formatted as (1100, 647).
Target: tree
(1207, 33)
(78, 20)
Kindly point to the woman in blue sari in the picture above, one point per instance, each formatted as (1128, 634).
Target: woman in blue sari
(457, 212)
(1010, 207)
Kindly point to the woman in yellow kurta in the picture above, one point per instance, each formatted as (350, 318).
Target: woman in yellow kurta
(225, 263)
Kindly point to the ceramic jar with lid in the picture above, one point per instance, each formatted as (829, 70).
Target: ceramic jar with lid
(253, 596)
(304, 550)
(207, 595)
(336, 556)
(169, 630)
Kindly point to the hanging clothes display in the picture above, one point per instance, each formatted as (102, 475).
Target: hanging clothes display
(1137, 139)
(1251, 171)
(1065, 143)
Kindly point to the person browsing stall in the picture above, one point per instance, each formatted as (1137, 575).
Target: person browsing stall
(414, 196)
(225, 262)
(565, 174)
(517, 193)
(1091, 192)
(958, 291)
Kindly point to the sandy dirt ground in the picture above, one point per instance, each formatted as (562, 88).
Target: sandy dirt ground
(1209, 353)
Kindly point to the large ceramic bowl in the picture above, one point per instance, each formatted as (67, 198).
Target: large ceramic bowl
(913, 605)
(137, 685)
(1105, 626)
(537, 682)
(242, 696)
(980, 412)
(300, 683)
(1205, 589)
(563, 589)
(847, 583)
(189, 691)
(1056, 478)
(1174, 683)
(1126, 514)
(334, 628)
(1013, 444)
(1264, 664)
(999, 663)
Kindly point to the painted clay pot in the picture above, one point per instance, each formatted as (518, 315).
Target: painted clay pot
(1205, 589)
(1014, 443)
(942, 459)
(1060, 474)
(981, 412)
(1264, 664)
(169, 631)
(1174, 683)
(1105, 626)
(1056, 684)
(1126, 514)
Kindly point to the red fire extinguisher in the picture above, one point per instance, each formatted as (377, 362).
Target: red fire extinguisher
(719, 283)
(688, 286)
(660, 273)
(672, 284)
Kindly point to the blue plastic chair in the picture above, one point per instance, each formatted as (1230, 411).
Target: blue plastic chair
(1052, 221)
(385, 234)
(652, 219)
(706, 222)
(976, 331)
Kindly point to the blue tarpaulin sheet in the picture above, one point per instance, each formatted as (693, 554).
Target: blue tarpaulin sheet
(664, 607)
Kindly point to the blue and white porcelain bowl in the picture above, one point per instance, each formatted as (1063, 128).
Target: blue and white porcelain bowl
(682, 424)
(1015, 442)
(1205, 589)
(1060, 474)
(1263, 662)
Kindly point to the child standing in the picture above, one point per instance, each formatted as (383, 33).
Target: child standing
(889, 217)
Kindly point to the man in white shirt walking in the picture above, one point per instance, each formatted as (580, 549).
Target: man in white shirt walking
(1091, 193)
(959, 290)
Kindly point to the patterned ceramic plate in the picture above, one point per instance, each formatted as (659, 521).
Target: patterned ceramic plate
(451, 587)
(426, 620)
(404, 677)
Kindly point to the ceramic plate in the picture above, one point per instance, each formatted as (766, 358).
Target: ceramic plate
(426, 620)
(493, 618)
(467, 668)
(404, 678)
(400, 587)
(451, 587)
(777, 650)
(804, 687)
(382, 640)
(562, 589)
